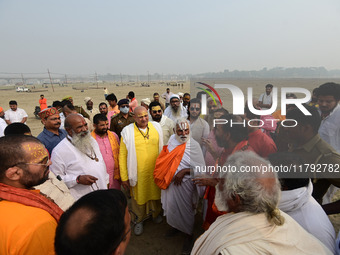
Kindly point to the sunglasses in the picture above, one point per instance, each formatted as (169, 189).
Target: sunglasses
(158, 111)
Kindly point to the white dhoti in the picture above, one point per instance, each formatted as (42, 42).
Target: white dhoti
(179, 202)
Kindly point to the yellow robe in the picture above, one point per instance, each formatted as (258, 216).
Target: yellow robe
(147, 151)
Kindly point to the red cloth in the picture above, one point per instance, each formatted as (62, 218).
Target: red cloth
(262, 144)
(167, 164)
(212, 211)
(30, 198)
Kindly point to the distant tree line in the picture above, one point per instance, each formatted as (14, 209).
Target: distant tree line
(277, 72)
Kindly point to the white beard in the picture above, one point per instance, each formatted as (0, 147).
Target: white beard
(82, 143)
(220, 201)
(182, 139)
(176, 113)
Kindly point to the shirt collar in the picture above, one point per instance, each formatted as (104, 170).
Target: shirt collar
(311, 143)
(336, 108)
(50, 134)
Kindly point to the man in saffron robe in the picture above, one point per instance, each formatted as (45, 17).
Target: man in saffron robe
(28, 219)
(140, 145)
(180, 198)
(109, 147)
(42, 102)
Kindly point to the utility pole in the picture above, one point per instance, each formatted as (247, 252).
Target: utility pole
(65, 79)
(50, 79)
(96, 78)
(121, 79)
(23, 80)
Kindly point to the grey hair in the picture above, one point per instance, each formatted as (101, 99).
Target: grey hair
(255, 196)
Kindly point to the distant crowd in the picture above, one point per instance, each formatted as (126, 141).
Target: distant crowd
(67, 190)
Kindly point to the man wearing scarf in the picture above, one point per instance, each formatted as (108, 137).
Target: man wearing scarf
(109, 147)
(140, 145)
(181, 157)
(28, 219)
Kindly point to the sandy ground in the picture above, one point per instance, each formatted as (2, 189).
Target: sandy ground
(153, 241)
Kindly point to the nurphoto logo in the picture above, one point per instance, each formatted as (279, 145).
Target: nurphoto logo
(238, 103)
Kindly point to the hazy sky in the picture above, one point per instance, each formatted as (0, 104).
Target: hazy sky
(134, 37)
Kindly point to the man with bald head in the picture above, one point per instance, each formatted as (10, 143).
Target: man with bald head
(102, 214)
(140, 145)
(77, 159)
(253, 224)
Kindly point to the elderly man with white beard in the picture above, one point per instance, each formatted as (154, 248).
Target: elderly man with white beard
(253, 223)
(175, 110)
(77, 159)
(173, 174)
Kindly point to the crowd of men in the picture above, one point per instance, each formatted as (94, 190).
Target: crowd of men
(62, 191)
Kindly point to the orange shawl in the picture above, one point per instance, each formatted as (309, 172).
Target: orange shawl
(115, 151)
(30, 198)
(167, 164)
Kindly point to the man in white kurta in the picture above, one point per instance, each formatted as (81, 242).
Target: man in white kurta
(199, 128)
(253, 223)
(15, 114)
(266, 99)
(82, 169)
(175, 110)
(168, 125)
(3, 125)
(328, 96)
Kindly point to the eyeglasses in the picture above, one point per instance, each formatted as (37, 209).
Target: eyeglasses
(195, 109)
(158, 111)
